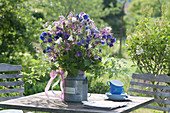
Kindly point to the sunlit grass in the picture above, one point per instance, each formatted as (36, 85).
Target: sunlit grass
(145, 110)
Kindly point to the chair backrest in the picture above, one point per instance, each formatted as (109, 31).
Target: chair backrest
(151, 85)
(10, 83)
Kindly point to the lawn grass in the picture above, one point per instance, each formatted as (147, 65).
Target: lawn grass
(145, 110)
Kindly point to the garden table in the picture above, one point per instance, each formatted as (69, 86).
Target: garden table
(39, 102)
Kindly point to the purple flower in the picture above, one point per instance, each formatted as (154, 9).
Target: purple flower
(44, 51)
(96, 31)
(91, 60)
(54, 56)
(68, 47)
(100, 50)
(77, 16)
(70, 15)
(88, 40)
(59, 28)
(66, 36)
(92, 31)
(109, 36)
(44, 41)
(94, 36)
(86, 46)
(7, 86)
(59, 34)
(48, 48)
(42, 37)
(113, 40)
(104, 36)
(49, 39)
(44, 34)
(78, 54)
(61, 17)
(49, 35)
(56, 37)
(103, 42)
(69, 21)
(64, 53)
(75, 42)
(88, 53)
(52, 60)
(96, 57)
(85, 17)
(80, 19)
(87, 27)
(111, 45)
(82, 41)
(78, 43)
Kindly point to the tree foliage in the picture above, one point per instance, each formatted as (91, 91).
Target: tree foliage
(149, 47)
(18, 32)
(144, 8)
(114, 16)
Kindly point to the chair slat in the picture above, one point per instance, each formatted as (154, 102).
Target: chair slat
(8, 67)
(19, 90)
(151, 77)
(163, 94)
(150, 85)
(11, 83)
(157, 108)
(10, 76)
(162, 101)
(7, 98)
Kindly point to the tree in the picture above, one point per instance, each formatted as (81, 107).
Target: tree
(116, 18)
(141, 8)
(94, 8)
(18, 32)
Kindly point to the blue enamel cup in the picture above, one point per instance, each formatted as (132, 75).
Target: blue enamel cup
(116, 87)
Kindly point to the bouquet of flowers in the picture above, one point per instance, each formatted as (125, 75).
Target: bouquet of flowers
(74, 43)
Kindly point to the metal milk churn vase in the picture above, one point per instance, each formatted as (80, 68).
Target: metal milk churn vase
(75, 88)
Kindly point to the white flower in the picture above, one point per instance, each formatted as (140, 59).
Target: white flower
(61, 17)
(129, 37)
(108, 29)
(74, 19)
(49, 28)
(139, 50)
(58, 41)
(90, 46)
(71, 38)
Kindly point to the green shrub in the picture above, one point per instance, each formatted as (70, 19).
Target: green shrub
(98, 86)
(149, 47)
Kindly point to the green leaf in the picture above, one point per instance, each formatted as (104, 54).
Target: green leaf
(87, 62)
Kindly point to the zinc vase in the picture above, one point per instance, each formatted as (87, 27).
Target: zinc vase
(75, 88)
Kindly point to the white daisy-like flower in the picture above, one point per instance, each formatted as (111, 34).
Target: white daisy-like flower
(74, 19)
(49, 27)
(71, 38)
(58, 41)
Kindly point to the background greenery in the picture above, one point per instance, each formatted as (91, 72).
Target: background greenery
(21, 23)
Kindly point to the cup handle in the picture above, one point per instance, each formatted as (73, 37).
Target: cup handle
(108, 83)
(122, 89)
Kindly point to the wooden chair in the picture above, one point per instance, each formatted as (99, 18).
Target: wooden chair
(150, 85)
(10, 83)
